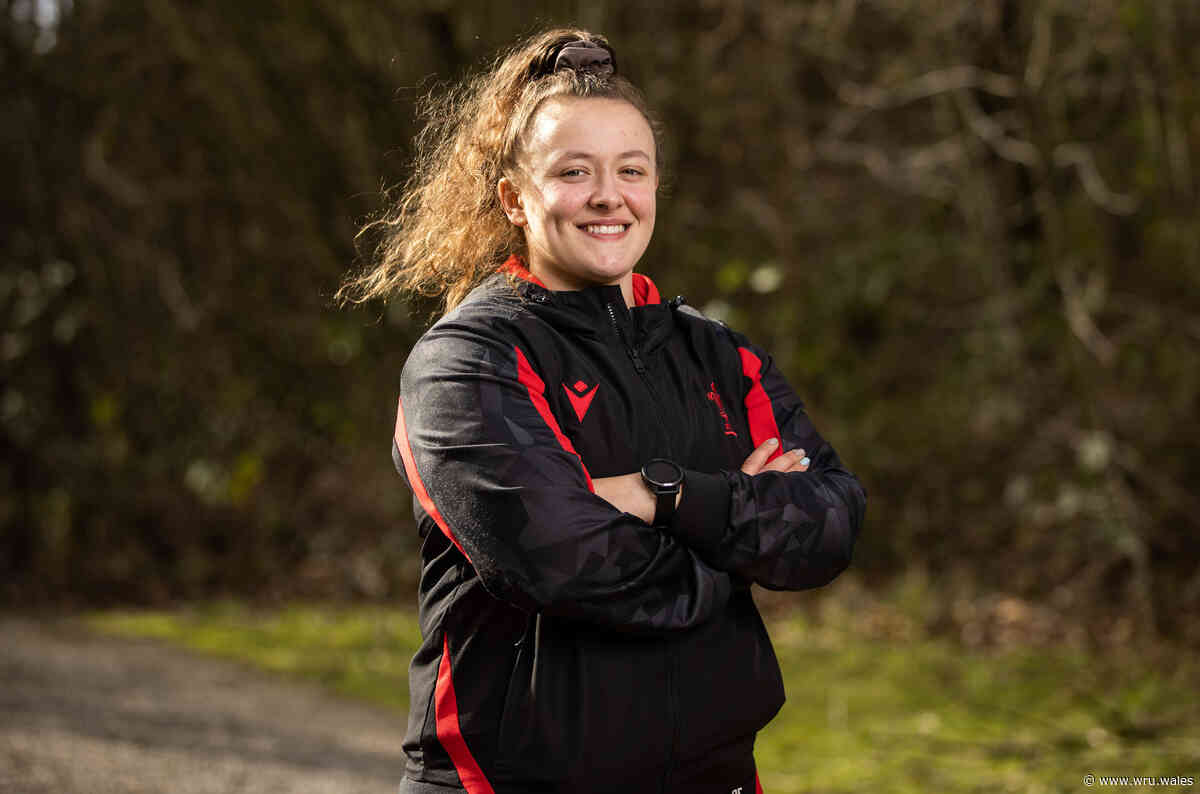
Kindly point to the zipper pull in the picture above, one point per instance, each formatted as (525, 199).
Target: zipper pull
(616, 324)
(629, 348)
(637, 360)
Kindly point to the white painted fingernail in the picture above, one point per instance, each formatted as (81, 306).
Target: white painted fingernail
(805, 461)
(772, 442)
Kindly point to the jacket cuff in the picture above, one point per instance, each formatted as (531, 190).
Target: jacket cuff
(703, 511)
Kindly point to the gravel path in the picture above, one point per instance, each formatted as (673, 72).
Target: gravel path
(86, 713)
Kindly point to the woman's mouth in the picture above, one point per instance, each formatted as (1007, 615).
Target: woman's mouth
(605, 229)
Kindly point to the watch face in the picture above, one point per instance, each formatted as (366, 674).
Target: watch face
(663, 473)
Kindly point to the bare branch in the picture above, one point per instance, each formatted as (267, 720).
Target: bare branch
(943, 152)
(170, 287)
(104, 174)
(941, 81)
(992, 133)
(880, 165)
(1078, 155)
(1039, 49)
(1080, 320)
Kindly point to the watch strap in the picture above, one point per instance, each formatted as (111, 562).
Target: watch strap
(664, 506)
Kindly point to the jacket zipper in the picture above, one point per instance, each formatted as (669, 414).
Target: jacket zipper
(640, 366)
(672, 705)
(633, 354)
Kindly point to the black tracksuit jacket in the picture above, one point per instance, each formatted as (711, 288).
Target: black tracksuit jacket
(569, 647)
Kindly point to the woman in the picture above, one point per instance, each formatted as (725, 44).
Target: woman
(599, 475)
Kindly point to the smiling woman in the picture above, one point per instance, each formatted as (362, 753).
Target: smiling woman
(599, 475)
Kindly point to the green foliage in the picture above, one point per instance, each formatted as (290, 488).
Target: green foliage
(864, 711)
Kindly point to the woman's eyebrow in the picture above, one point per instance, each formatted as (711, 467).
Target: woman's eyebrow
(577, 155)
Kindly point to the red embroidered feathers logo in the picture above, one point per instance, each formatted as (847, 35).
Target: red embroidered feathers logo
(580, 395)
(716, 400)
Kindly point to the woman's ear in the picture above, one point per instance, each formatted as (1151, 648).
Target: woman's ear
(510, 200)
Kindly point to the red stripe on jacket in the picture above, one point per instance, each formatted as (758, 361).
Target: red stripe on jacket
(414, 478)
(758, 405)
(537, 395)
(449, 731)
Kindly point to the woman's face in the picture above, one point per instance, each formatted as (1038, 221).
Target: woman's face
(586, 193)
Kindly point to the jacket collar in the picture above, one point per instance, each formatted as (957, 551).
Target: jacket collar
(591, 311)
(645, 292)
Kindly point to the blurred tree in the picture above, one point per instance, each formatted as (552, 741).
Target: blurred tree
(176, 403)
(967, 230)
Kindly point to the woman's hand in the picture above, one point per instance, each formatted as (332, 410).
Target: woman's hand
(795, 460)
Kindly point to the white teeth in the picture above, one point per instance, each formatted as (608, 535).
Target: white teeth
(596, 229)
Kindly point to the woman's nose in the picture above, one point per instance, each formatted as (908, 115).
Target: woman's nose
(605, 196)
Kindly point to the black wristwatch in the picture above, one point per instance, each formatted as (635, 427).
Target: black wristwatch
(664, 478)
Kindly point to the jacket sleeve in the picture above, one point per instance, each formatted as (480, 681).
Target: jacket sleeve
(785, 531)
(488, 461)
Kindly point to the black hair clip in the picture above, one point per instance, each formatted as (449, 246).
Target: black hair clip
(585, 57)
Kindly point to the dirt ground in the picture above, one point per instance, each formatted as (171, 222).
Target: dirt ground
(98, 715)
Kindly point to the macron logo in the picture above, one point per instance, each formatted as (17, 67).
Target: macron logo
(580, 395)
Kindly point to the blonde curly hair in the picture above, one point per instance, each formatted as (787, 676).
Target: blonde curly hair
(448, 231)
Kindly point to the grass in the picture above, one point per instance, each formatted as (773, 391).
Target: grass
(864, 713)
(361, 651)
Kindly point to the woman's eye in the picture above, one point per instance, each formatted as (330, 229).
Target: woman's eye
(573, 172)
(632, 171)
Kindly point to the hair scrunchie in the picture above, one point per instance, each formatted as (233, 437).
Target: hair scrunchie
(585, 57)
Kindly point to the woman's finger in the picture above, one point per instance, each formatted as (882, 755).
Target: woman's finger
(794, 460)
(754, 463)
